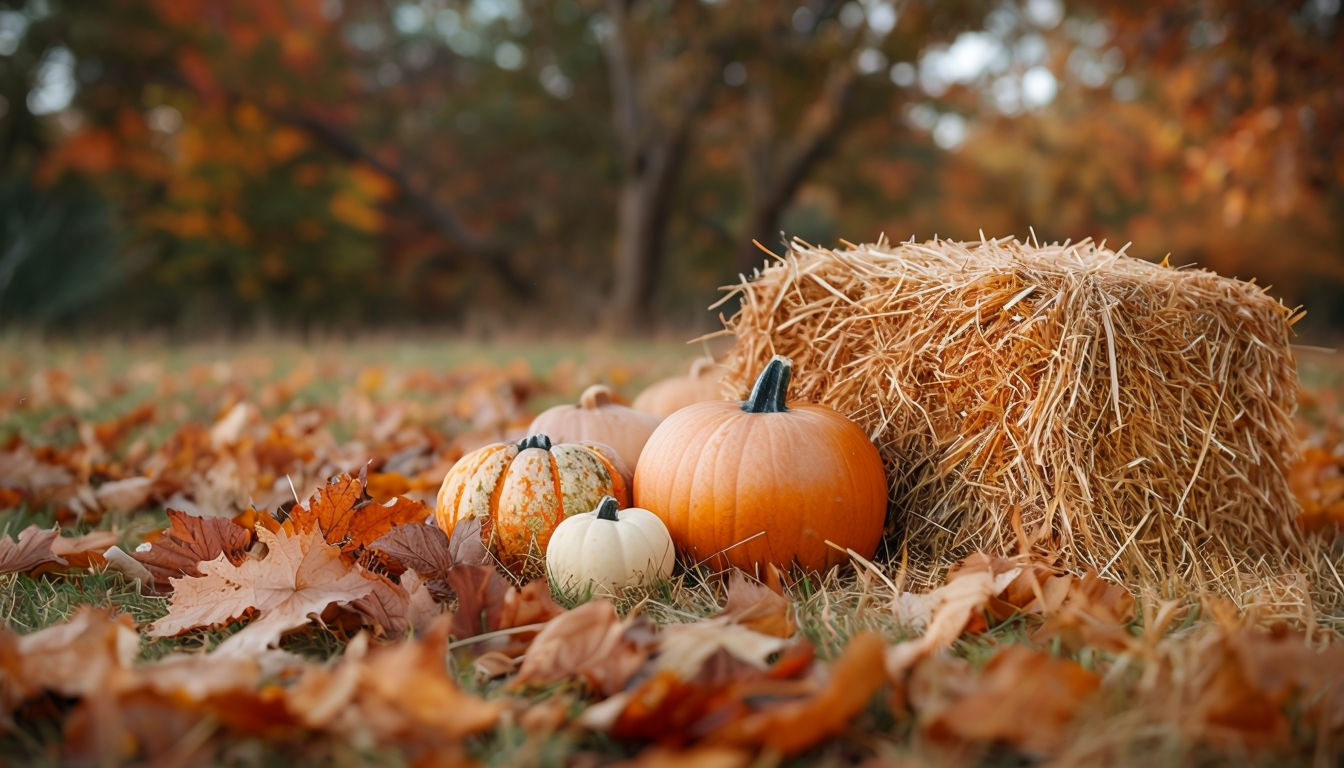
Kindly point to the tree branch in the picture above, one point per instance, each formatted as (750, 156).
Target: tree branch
(491, 256)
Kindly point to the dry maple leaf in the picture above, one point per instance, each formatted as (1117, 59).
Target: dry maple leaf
(487, 602)
(1241, 689)
(684, 648)
(349, 518)
(1093, 612)
(30, 551)
(590, 643)
(757, 607)
(300, 575)
(790, 727)
(944, 612)
(1023, 697)
(401, 693)
(188, 542)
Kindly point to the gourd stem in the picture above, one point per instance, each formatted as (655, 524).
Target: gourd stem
(535, 441)
(606, 509)
(595, 396)
(771, 389)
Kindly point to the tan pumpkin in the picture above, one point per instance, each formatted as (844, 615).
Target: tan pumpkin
(599, 418)
(703, 382)
(762, 482)
(522, 491)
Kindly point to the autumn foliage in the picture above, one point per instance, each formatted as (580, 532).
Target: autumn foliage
(338, 617)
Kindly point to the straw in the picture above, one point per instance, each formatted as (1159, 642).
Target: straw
(1137, 417)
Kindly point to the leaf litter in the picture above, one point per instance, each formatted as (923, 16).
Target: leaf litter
(436, 652)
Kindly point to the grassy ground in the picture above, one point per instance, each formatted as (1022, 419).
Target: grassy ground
(54, 395)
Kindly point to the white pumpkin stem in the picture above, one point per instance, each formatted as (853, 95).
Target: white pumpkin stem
(607, 508)
(596, 396)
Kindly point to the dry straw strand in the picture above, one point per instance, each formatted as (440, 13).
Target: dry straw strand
(1137, 417)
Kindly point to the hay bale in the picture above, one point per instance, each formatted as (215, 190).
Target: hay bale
(1119, 414)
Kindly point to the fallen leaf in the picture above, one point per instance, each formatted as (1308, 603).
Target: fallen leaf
(684, 648)
(400, 693)
(396, 609)
(590, 643)
(300, 575)
(943, 613)
(494, 664)
(1240, 688)
(466, 547)
(126, 495)
(418, 547)
(188, 542)
(86, 550)
(71, 658)
(349, 518)
(30, 551)
(130, 569)
(1093, 612)
(1024, 698)
(757, 607)
(793, 726)
(487, 602)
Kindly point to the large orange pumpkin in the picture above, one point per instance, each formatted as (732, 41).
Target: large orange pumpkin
(762, 482)
(521, 491)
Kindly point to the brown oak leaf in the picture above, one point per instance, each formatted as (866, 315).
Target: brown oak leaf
(349, 518)
(188, 542)
(300, 575)
(30, 551)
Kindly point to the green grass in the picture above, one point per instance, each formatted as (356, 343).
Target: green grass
(829, 610)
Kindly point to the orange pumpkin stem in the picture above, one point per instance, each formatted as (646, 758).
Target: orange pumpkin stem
(771, 389)
(606, 509)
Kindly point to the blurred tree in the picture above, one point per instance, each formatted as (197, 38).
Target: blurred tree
(374, 160)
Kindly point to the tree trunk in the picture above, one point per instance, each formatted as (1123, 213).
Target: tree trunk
(637, 257)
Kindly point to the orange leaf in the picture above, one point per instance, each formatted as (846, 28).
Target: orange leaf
(84, 551)
(349, 518)
(944, 613)
(795, 726)
(400, 693)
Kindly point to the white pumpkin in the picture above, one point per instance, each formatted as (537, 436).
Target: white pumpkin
(608, 549)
